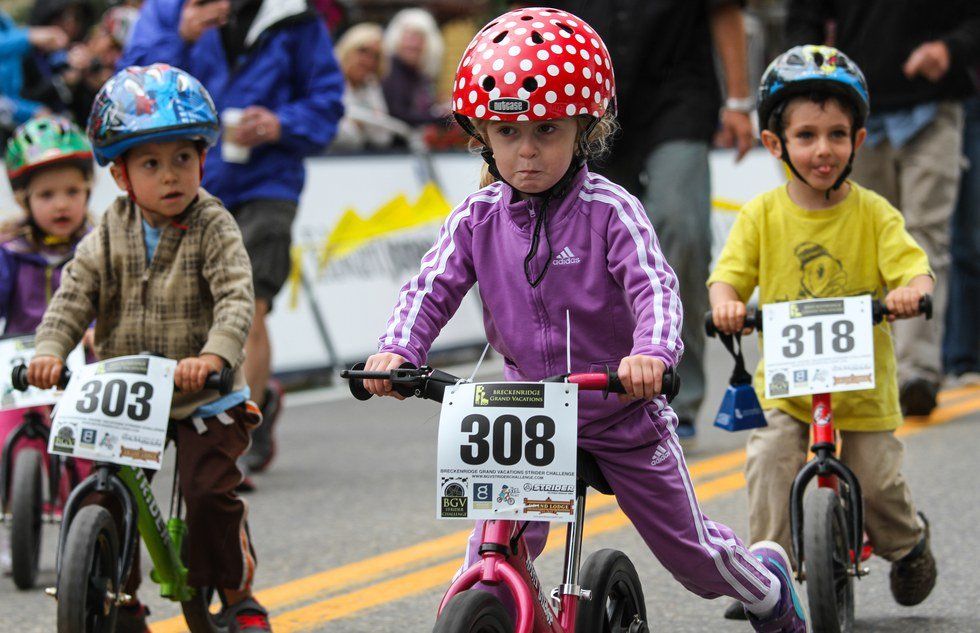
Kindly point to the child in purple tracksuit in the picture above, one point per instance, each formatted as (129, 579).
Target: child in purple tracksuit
(547, 236)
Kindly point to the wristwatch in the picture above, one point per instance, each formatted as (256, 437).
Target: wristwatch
(744, 105)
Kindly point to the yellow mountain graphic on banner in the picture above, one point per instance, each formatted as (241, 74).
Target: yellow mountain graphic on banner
(352, 231)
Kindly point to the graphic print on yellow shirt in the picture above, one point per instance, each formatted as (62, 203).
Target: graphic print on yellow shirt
(858, 246)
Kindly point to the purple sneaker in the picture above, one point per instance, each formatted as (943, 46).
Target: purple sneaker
(788, 616)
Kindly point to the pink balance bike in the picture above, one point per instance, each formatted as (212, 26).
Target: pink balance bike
(605, 597)
(827, 524)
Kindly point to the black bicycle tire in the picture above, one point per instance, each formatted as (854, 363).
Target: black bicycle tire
(829, 585)
(197, 613)
(608, 573)
(474, 611)
(92, 529)
(26, 521)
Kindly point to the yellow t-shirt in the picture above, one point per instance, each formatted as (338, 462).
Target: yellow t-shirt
(858, 246)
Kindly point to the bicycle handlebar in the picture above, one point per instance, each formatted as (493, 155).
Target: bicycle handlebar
(428, 383)
(753, 320)
(223, 382)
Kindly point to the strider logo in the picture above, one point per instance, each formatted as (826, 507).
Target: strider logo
(565, 257)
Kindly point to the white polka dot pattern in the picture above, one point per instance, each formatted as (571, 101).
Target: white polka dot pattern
(504, 70)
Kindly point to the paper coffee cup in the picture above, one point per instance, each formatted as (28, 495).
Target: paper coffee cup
(232, 152)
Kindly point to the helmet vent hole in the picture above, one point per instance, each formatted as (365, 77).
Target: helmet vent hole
(488, 83)
(527, 18)
(818, 59)
(500, 37)
(488, 27)
(565, 27)
(536, 38)
(530, 84)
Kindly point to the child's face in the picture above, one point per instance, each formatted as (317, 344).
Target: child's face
(164, 177)
(818, 140)
(58, 198)
(532, 155)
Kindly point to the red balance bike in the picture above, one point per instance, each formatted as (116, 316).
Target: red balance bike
(827, 523)
(605, 597)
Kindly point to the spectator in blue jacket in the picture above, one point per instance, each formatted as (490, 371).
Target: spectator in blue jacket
(15, 43)
(274, 60)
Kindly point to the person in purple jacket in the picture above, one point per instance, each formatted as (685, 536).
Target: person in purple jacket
(547, 236)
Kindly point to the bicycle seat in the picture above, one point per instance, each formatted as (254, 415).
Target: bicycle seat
(588, 471)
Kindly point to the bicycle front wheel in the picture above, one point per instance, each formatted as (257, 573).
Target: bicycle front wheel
(474, 611)
(26, 505)
(829, 585)
(86, 587)
(198, 612)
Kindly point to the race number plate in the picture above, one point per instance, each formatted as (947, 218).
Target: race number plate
(508, 451)
(20, 350)
(116, 411)
(818, 346)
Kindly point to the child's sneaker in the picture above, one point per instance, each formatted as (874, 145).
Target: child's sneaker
(263, 448)
(247, 616)
(913, 576)
(131, 618)
(788, 616)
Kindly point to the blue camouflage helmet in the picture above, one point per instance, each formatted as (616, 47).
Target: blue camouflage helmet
(807, 69)
(142, 104)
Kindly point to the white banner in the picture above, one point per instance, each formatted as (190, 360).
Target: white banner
(508, 451)
(19, 351)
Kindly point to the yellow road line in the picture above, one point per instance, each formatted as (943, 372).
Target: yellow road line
(367, 570)
(342, 606)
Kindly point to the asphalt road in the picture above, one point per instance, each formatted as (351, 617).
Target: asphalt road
(347, 542)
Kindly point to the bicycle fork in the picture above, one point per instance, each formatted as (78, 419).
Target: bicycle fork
(829, 471)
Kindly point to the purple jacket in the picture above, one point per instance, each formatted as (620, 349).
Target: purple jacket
(606, 269)
(28, 280)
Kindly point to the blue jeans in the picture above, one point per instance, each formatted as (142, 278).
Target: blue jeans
(961, 344)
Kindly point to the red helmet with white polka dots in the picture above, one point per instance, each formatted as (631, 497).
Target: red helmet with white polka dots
(534, 64)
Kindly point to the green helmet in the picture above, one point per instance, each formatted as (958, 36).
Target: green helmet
(44, 142)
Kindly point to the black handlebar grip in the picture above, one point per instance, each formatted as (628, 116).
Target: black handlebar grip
(670, 384)
(223, 381)
(709, 325)
(753, 321)
(18, 378)
(356, 385)
(925, 306)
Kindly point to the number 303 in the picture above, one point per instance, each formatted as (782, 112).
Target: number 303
(113, 398)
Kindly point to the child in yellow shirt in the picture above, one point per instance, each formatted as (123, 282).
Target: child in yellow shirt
(822, 235)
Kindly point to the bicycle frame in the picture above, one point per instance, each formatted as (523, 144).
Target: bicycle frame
(141, 518)
(504, 560)
(829, 471)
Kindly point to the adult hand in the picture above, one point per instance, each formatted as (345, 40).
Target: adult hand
(198, 16)
(642, 376)
(736, 131)
(258, 126)
(47, 38)
(930, 60)
(383, 361)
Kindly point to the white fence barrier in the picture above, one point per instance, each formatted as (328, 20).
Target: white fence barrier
(357, 241)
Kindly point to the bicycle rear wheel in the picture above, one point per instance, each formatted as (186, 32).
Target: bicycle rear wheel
(86, 585)
(829, 585)
(617, 604)
(474, 611)
(197, 612)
